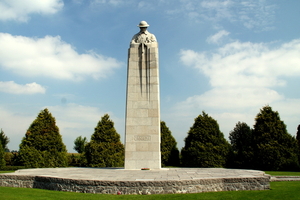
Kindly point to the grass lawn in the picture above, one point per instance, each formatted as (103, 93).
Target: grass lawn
(279, 190)
(6, 172)
(279, 173)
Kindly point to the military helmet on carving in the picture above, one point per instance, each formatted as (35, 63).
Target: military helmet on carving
(143, 24)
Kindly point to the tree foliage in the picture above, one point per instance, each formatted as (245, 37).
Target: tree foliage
(205, 145)
(2, 160)
(168, 146)
(105, 148)
(79, 144)
(274, 148)
(241, 142)
(298, 139)
(298, 136)
(4, 140)
(42, 145)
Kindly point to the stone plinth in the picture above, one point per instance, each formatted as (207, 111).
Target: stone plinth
(142, 132)
(115, 181)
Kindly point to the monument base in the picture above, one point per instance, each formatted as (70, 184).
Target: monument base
(120, 181)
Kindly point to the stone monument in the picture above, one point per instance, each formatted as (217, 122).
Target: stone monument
(142, 131)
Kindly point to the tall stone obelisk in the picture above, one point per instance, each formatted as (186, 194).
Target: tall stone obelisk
(142, 131)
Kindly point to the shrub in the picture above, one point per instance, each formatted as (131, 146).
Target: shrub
(74, 160)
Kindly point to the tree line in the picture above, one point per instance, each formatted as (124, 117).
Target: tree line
(266, 146)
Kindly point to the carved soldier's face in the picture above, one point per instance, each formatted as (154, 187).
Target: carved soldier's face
(143, 29)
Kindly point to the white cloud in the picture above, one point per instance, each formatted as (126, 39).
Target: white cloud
(231, 99)
(78, 1)
(14, 88)
(73, 120)
(112, 2)
(51, 57)
(218, 37)
(20, 10)
(244, 77)
(215, 4)
(74, 116)
(256, 14)
(217, 10)
(115, 2)
(145, 5)
(98, 1)
(253, 14)
(247, 64)
(14, 124)
(76, 120)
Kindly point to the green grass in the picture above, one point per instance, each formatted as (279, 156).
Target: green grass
(279, 190)
(279, 173)
(6, 172)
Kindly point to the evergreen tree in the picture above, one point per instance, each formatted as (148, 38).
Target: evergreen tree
(2, 160)
(105, 148)
(42, 145)
(274, 148)
(4, 141)
(298, 139)
(168, 146)
(205, 145)
(241, 143)
(298, 135)
(79, 144)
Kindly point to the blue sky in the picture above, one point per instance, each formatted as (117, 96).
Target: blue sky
(228, 58)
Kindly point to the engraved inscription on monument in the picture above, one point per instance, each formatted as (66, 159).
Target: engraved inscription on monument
(142, 131)
(142, 138)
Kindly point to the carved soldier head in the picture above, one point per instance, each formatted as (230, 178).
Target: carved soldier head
(143, 26)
